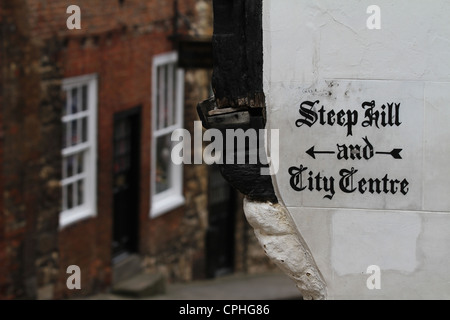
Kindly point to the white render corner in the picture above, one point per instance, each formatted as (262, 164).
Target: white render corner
(363, 151)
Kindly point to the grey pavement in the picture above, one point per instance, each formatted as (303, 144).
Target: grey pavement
(268, 286)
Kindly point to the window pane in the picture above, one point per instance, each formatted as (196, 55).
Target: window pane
(64, 168)
(162, 85)
(73, 165)
(74, 135)
(158, 99)
(163, 163)
(64, 136)
(74, 107)
(80, 131)
(84, 130)
(64, 197)
(169, 98)
(68, 136)
(84, 97)
(75, 193)
(80, 162)
(66, 109)
(166, 95)
(69, 196)
(174, 94)
(68, 169)
(80, 192)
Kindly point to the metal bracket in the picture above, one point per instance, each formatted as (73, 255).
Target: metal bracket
(229, 118)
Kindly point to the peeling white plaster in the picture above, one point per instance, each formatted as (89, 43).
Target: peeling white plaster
(280, 240)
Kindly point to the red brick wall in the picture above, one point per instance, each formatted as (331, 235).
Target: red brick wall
(49, 18)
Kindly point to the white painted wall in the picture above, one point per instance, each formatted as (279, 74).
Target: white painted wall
(309, 45)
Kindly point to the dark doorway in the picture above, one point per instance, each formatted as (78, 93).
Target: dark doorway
(126, 148)
(220, 233)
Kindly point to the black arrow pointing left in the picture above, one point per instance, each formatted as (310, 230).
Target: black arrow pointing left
(312, 152)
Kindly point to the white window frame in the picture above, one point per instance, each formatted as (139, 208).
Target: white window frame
(89, 174)
(173, 197)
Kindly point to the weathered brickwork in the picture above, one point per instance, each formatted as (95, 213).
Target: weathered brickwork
(31, 99)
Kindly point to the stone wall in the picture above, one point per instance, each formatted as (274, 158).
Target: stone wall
(249, 255)
(31, 98)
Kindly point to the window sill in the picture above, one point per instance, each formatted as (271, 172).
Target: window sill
(73, 216)
(165, 204)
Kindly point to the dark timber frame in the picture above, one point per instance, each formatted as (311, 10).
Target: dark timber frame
(238, 53)
(237, 83)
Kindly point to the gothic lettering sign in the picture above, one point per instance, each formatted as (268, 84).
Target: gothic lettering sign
(353, 144)
(360, 95)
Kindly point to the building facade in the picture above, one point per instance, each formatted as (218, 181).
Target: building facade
(368, 194)
(86, 177)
